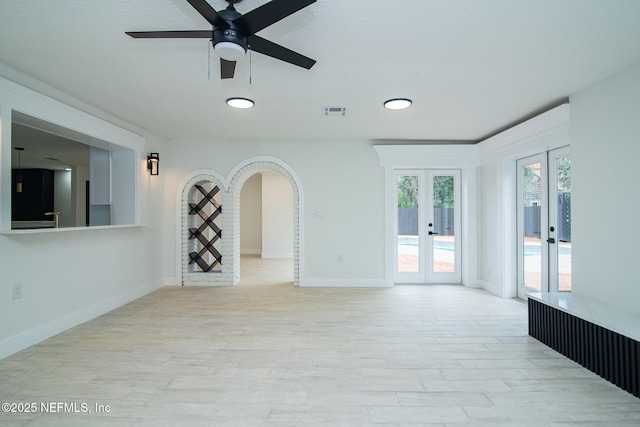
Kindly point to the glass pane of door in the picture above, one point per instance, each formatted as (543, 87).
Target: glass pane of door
(532, 225)
(443, 227)
(532, 206)
(560, 223)
(544, 223)
(408, 243)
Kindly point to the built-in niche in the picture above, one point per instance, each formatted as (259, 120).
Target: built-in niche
(205, 251)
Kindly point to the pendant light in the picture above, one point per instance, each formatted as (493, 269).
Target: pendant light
(19, 176)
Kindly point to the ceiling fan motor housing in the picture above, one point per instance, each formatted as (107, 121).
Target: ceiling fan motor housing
(230, 35)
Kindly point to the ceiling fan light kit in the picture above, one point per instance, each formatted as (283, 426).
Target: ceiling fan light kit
(229, 51)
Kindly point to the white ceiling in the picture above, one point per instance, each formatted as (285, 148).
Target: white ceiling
(472, 67)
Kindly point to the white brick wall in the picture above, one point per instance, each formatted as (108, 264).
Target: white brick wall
(230, 273)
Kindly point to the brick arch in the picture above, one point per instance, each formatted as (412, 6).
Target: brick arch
(237, 178)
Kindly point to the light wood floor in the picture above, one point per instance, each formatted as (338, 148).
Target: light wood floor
(265, 353)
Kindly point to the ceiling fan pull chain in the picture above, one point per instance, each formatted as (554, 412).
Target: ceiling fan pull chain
(209, 47)
(250, 57)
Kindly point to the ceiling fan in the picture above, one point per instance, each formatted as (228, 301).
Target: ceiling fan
(233, 33)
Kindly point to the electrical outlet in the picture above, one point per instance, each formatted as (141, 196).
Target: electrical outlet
(317, 214)
(16, 291)
(340, 258)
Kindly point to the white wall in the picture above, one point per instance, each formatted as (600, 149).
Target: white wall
(433, 156)
(69, 276)
(123, 187)
(100, 187)
(605, 135)
(487, 221)
(62, 201)
(603, 130)
(496, 192)
(79, 188)
(277, 216)
(340, 178)
(251, 216)
(84, 273)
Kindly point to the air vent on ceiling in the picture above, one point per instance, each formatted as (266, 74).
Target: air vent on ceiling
(334, 111)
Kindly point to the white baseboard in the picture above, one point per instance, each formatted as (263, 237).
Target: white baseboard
(345, 283)
(287, 255)
(210, 284)
(490, 287)
(250, 251)
(473, 285)
(26, 339)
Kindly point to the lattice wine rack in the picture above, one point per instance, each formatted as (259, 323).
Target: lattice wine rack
(207, 234)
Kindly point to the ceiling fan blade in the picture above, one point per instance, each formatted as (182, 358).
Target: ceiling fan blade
(227, 69)
(269, 13)
(208, 13)
(265, 47)
(170, 34)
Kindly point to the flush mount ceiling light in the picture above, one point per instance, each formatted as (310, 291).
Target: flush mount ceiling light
(242, 103)
(397, 104)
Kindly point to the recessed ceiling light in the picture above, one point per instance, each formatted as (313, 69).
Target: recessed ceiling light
(240, 103)
(397, 104)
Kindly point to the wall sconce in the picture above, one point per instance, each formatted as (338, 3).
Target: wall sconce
(152, 163)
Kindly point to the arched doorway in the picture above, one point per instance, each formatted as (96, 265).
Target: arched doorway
(238, 177)
(266, 230)
(228, 273)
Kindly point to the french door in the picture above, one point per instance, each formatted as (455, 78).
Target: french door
(428, 226)
(544, 222)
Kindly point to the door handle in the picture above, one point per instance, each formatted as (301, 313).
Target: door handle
(431, 233)
(551, 240)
